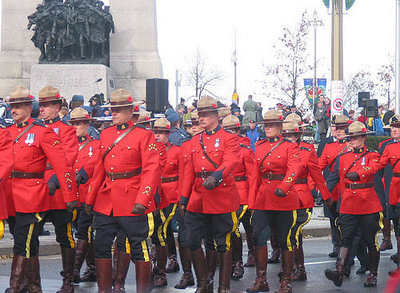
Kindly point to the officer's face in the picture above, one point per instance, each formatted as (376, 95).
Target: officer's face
(49, 110)
(292, 137)
(81, 128)
(395, 133)
(208, 120)
(196, 128)
(21, 112)
(357, 142)
(121, 115)
(340, 132)
(161, 136)
(273, 129)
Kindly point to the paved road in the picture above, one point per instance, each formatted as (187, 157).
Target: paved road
(317, 261)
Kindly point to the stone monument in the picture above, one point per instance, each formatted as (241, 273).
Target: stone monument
(133, 54)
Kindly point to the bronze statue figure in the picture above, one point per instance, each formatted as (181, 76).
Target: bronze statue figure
(72, 31)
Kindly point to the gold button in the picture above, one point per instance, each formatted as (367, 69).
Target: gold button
(268, 163)
(112, 168)
(208, 138)
(279, 157)
(76, 161)
(118, 132)
(112, 156)
(203, 158)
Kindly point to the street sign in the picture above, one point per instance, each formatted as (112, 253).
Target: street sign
(338, 104)
(337, 97)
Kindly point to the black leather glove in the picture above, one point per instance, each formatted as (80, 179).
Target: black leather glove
(78, 179)
(52, 187)
(398, 210)
(353, 176)
(88, 209)
(182, 209)
(329, 203)
(210, 182)
(138, 209)
(71, 205)
(279, 192)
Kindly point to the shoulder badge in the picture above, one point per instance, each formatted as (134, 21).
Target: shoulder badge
(244, 146)
(306, 149)
(39, 123)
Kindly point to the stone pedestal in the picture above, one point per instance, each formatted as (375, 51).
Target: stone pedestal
(73, 79)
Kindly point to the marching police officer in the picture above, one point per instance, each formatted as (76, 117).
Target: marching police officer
(6, 165)
(50, 104)
(360, 205)
(244, 172)
(34, 144)
(209, 194)
(274, 202)
(122, 191)
(88, 148)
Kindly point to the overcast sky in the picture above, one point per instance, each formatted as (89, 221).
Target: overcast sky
(208, 25)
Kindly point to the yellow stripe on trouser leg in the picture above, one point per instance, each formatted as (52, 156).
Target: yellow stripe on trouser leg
(288, 242)
(89, 236)
(28, 241)
(150, 221)
(228, 236)
(69, 235)
(145, 250)
(160, 229)
(300, 229)
(127, 246)
(1, 229)
(170, 216)
(381, 226)
(244, 210)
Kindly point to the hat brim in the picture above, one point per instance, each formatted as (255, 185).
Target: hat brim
(81, 119)
(118, 105)
(146, 121)
(163, 129)
(231, 127)
(395, 124)
(272, 121)
(49, 99)
(21, 102)
(359, 134)
(200, 110)
(341, 124)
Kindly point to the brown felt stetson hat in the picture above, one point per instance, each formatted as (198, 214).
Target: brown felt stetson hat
(122, 98)
(394, 121)
(223, 112)
(162, 124)
(80, 114)
(49, 94)
(341, 120)
(357, 128)
(207, 104)
(144, 117)
(231, 122)
(272, 116)
(291, 127)
(20, 94)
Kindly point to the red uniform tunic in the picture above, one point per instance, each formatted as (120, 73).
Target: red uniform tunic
(309, 169)
(69, 142)
(328, 157)
(6, 165)
(245, 171)
(31, 153)
(183, 160)
(222, 147)
(284, 160)
(391, 155)
(170, 174)
(85, 162)
(356, 201)
(137, 150)
(163, 200)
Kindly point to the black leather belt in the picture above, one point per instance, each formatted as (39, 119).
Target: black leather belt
(359, 185)
(169, 179)
(396, 174)
(240, 178)
(124, 175)
(203, 174)
(271, 176)
(301, 181)
(27, 175)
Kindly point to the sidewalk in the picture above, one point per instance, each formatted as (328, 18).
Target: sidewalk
(317, 227)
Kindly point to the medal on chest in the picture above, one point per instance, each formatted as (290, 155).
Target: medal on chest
(56, 130)
(90, 152)
(216, 143)
(30, 138)
(363, 161)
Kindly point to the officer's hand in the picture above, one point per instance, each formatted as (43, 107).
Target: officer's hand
(182, 210)
(88, 209)
(52, 187)
(72, 205)
(210, 182)
(279, 192)
(78, 178)
(138, 209)
(353, 176)
(329, 203)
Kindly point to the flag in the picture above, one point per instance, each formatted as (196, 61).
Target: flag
(308, 87)
(235, 98)
(349, 3)
(326, 2)
(321, 87)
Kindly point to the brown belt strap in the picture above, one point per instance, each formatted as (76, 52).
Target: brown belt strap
(396, 174)
(119, 138)
(27, 175)
(301, 181)
(85, 144)
(353, 186)
(240, 178)
(169, 179)
(124, 175)
(203, 174)
(23, 132)
(271, 176)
